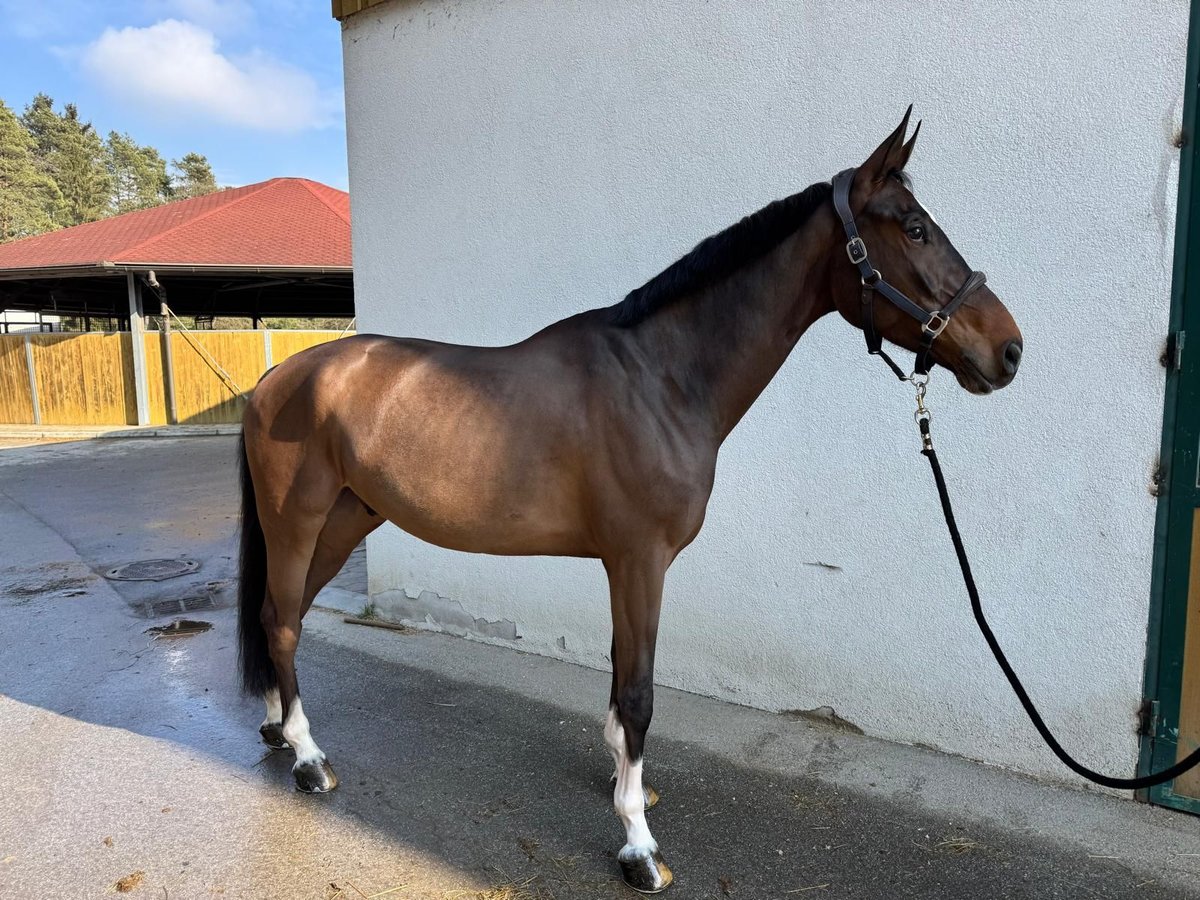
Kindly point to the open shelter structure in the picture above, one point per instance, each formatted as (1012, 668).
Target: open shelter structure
(279, 248)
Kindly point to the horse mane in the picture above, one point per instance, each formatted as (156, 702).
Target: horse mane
(720, 255)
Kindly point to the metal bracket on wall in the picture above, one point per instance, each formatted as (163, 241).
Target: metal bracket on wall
(1173, 354)
(1148, 718)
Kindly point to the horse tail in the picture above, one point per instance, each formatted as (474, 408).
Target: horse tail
(258, 671)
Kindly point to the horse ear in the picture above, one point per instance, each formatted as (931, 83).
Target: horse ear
(907, 149)
(890, 156)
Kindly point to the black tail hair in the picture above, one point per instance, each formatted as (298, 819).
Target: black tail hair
(258, 672)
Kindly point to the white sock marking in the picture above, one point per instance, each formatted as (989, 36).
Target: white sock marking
(295, 729)
(629, 799)
(274, 707)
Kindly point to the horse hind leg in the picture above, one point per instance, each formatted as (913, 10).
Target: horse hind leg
(271, 728)
(346, 525)
(291, 539)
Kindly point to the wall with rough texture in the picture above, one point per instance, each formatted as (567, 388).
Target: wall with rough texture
(514, 162)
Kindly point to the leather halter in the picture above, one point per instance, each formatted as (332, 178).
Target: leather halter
(932, 323)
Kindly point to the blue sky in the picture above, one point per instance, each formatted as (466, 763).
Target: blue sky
(254, 86)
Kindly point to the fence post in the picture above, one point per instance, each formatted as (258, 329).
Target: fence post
(137, 337)
(268, 353)
(33, 393)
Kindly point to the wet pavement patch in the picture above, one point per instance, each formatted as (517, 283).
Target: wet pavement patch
(179, 628)
(23, 584)
(54, 586)
(152, 570)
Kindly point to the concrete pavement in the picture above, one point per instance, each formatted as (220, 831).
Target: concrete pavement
(467, 771)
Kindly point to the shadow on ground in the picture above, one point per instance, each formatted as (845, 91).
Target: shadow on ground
(514, 793)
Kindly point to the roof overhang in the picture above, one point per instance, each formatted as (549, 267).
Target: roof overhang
(99, 289)
(343, 9)
(92, 270)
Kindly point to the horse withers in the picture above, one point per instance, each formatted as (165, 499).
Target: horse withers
(596, 437)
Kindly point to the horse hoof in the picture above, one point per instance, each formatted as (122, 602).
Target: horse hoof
(647, 874)
(649, 795)
(314, 777)
(272, 735)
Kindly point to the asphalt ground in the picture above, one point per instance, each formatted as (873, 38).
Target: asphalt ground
(467, 771)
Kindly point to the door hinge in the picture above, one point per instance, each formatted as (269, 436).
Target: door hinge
(1172, 357)
(1148, 718)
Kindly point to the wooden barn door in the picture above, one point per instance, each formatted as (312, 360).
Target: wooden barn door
(1171, 718)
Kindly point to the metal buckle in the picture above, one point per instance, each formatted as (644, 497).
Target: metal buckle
(856, 249)
(935, 324)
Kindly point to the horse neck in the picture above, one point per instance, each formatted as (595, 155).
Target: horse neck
(723, 345)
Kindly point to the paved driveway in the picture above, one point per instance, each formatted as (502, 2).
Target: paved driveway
(467, 771)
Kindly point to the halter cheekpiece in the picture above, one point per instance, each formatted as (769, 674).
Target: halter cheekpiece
(932, 323)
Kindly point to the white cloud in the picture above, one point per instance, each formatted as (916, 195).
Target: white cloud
(177, 69)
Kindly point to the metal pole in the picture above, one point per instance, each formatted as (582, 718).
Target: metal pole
(33, 394)
(168, 363)
(137, 337)
(168, 351)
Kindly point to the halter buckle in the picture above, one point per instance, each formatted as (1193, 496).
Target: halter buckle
(856, 249)
(935, 324)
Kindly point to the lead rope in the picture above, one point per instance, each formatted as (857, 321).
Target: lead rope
(923, 417)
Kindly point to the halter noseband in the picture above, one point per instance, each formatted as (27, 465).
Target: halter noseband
(932, 323)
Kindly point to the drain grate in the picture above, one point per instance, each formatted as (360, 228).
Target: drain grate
(153, 570)
(171, 607)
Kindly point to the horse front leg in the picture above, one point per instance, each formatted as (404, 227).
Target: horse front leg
(635, 584)
(614, 735)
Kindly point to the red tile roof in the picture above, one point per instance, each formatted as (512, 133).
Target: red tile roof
(284, 222)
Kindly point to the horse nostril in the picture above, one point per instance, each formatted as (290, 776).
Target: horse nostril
(1012, 357)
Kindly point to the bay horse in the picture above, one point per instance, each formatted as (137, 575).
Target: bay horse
(596, 437)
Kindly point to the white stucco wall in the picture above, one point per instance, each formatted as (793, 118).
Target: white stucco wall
(514, 162)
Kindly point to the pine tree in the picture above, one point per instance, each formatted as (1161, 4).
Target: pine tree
(42, 123)
(193, 176)
(71, 153)
(27, 195)
(138, 175)
(55, 171)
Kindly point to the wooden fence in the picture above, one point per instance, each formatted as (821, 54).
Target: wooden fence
(88, 378)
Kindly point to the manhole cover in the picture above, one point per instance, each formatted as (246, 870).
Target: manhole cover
(152, 570)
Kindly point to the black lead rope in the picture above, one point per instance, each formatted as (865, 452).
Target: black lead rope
(932, 325)
(1128, 784)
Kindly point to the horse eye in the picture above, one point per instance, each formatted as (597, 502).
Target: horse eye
(916, 233)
